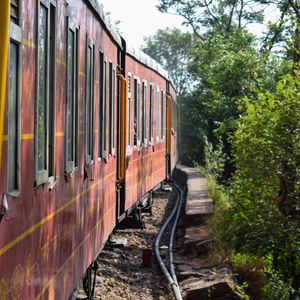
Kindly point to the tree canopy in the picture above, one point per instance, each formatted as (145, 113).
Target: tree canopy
(170, 47)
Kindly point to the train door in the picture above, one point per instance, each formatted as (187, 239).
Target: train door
(121, 134)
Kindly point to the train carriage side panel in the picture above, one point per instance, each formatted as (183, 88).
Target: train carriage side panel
(146, 143)
(53, 229)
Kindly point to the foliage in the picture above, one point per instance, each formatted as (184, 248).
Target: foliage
(217, 223)
(267, 153)
(224, 74)
(214, 159)
(170, 47)
(226, 15)
(278, 287)
(221, 15)
(251, 274)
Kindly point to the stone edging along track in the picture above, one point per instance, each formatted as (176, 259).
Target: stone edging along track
(198, 275)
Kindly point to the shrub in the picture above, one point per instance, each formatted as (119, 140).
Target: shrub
(250, 270)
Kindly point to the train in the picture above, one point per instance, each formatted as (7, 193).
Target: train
(88, 128)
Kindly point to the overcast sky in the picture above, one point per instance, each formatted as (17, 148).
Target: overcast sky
(139, 18)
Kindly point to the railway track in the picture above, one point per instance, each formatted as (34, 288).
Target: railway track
(121, 273)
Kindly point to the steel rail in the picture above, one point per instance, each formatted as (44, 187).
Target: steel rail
(169, 277)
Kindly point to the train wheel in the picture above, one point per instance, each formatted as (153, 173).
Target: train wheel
(88, 284)
(150, 204)
(138, 217)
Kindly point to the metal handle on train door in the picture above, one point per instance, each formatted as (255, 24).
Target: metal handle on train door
(122, 131)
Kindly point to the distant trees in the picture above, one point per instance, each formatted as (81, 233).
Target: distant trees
(171, 47)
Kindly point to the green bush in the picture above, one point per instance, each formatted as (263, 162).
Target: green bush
(215, 159)
(267, 156)
(251, 274)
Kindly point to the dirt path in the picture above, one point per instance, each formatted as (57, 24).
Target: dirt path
(121, 274)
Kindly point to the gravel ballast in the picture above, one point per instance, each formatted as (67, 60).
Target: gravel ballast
(121, 274)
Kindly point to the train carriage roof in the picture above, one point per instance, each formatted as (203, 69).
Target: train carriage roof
(106, 20)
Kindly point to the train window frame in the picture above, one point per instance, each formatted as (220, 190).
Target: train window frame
(136, 111)
(52, 91)
(89, 102)
(129, 87)
(15, 9)
(105, 117)
(157, 103)
(144, 112)
(175, 109)
(151, 114)
(174, 116)
(114, 74)
(48, 137)
(72, 164)
(111, 107)
(102, 96)
(163, 117)
(14, 111)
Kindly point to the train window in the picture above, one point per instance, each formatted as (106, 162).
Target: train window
(72, 96)
(13, 134)
(45, 113)
(42, 93)
(129, 109)
(15, 11)
(111, 129)
(174, 116)
(14, 101)
(104, 111)
(157, 114)
(113, 109)
(136, 121)
(163, 101)
(89, 102)
(144, 113)
(151, 112)
(102, 107)
(52, 93)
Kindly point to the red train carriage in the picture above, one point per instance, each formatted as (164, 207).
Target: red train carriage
(146, 139)
(80, 147)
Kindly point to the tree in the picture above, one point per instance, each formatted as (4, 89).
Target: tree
(268, 138)
(226, 66)
(224, 15)
(170, 47)
(217, 14)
